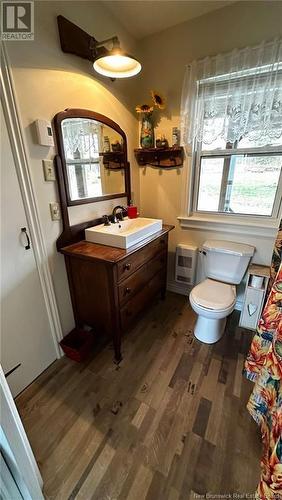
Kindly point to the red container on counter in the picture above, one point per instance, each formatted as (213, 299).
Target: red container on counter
(132, 212)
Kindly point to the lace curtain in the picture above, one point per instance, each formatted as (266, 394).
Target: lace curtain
(82, 138)
(233, 96)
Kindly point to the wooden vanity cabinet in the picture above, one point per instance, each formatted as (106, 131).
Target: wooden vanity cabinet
(110, 286)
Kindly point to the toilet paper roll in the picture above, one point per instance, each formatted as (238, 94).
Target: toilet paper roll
(257, 281)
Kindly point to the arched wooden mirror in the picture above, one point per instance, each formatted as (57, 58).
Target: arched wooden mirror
(91, 164)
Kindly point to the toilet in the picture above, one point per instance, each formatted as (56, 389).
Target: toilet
(225, 263)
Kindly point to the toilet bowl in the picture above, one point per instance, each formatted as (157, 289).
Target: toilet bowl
(212, 301)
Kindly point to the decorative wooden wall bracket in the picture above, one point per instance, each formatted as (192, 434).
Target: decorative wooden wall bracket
(76, 41)
(114, 160)
(160, 157)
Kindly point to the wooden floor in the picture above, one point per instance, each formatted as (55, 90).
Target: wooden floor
(169, 423)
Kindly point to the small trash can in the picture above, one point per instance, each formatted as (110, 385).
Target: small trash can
(77, 344)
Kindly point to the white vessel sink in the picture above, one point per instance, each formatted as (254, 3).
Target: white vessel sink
(123, 234)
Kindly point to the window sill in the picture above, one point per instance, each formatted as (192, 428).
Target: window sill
(236, 225)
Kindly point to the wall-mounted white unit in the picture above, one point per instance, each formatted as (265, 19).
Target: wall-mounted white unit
(185, 264)
(44, 133)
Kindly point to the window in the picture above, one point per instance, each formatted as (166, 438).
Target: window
(231, 121)
(82, 143)
(242, 177)
(239, 180)
(84, 179)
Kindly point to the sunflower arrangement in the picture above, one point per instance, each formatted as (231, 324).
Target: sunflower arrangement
(158, 101)
(147, 138)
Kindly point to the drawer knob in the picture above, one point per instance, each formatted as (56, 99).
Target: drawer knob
(127, 290)
(127, 266)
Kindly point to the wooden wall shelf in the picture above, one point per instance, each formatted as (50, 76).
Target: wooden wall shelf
(160, 157)
(113, 160)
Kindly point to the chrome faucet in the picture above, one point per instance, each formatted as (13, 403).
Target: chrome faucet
(114, 213)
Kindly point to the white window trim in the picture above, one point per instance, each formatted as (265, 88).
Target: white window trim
(235, 226)
(264, 227)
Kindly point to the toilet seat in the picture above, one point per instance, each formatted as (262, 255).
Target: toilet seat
(213, 295)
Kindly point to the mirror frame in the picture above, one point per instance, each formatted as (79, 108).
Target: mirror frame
(75, 233)
(92, 115)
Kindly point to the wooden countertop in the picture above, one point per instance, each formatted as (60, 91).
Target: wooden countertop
(94, 251)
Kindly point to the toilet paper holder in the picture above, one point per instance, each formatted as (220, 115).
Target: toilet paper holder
(256, 281)
(255, 292)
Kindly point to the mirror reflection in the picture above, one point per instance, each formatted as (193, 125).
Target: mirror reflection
(94, 156)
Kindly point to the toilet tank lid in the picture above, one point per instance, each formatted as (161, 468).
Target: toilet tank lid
(229, 247)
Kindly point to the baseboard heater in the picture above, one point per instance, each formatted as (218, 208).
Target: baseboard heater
(186, 264)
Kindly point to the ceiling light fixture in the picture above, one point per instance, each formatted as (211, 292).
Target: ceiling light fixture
(113, 63)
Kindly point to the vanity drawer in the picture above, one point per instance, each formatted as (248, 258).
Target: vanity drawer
(141, 299)
(140, 278)
(131, 263)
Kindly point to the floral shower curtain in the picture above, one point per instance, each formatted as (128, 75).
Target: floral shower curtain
(264, 366)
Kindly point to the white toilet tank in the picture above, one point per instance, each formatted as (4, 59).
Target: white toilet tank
(226, 261)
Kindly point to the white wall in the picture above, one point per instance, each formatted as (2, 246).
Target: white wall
(48, 81)
(164, 57)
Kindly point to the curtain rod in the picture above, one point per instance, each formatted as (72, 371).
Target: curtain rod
(254, 47)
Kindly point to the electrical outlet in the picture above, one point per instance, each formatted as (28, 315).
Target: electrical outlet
(55, 211)
(49, 170)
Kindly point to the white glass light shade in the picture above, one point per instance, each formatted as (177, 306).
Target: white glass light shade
(117, 65)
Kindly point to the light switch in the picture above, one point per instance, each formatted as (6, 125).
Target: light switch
(55, 211)
(49, 170)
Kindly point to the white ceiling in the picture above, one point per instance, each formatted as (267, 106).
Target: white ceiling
(145, 17)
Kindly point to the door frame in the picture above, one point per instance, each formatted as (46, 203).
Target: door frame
(19, 151)
(15, 445)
